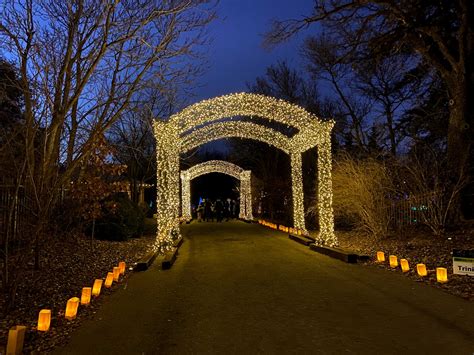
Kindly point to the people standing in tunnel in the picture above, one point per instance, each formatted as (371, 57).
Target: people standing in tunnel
(207, 210)
(213, 210)
(219, 207)
(226, 213)
(200, 212)
(234, 209)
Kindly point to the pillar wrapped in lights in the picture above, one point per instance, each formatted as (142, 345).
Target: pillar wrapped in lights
(44, 320)
(122, 267)
(326, 216)
(97, 287)
(167, 194)
(86, 296)
(297, 190)
(380, 256)
(186, 195)
(421, 270)
(116, 273)
(109, 280)
(71, 308)
(393, 261)
(404, 265)
(441, 274)
(246, 195)
(202, 123)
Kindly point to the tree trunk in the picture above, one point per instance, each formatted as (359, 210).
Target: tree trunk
(460, 133)
(391, 130)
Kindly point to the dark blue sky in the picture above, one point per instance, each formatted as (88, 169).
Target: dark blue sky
(236, 55)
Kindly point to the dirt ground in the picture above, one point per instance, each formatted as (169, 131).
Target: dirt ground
(418, 247)
(67, 267)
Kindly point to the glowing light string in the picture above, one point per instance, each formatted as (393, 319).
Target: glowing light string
(223, 167)
(196, 125)
(243, 104)
(235, 129)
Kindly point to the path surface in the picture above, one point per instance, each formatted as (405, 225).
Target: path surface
(243, 289)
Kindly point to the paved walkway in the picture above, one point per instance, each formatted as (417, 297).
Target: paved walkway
(243, 289)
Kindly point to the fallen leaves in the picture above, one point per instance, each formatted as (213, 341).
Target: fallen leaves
(67, 267)
(418, 247)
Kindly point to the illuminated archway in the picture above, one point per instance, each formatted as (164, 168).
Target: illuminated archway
(203, 122)
(223, 167)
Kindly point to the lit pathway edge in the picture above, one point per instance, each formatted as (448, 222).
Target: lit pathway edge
(167, 260)
(221, 294)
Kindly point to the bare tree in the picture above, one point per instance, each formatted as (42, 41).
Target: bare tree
(286, 83)
(393, 83)
(441, 32)
(133, 138)
(329, 62)
(80, 63)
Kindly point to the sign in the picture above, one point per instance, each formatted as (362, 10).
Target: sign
(463, 262)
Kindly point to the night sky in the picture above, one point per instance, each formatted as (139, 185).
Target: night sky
(236, 55)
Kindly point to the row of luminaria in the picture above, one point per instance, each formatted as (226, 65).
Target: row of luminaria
(441, 272)
(16, 334)
(203, 123)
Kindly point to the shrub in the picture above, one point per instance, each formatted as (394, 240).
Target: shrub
(361, 193)
(110, 231)
(122, 219)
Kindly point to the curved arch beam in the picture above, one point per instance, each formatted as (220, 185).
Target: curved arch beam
(243, 104)
(223, 167)
(235, 129)
(215, 166)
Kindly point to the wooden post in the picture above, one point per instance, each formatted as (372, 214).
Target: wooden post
(16, 337)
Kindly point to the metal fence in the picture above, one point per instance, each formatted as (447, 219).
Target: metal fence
(14, 211)
(412, 210)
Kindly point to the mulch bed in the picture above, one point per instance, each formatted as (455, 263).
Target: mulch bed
(418, 247)
(67, 267)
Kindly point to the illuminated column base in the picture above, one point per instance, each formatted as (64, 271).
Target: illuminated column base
(168, 180)
(186, 196)
(326, 214)
(297, 190)
(246, 194)
(242, 203)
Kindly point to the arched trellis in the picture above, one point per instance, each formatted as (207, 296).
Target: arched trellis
(223, 167)
(200, 123)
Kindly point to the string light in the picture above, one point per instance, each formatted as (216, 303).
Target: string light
(297, 191)
(326, 216)
(243, 104)
(223, 167)
(246, 195)
(235, 129)
(199, 124)
(168, 201)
